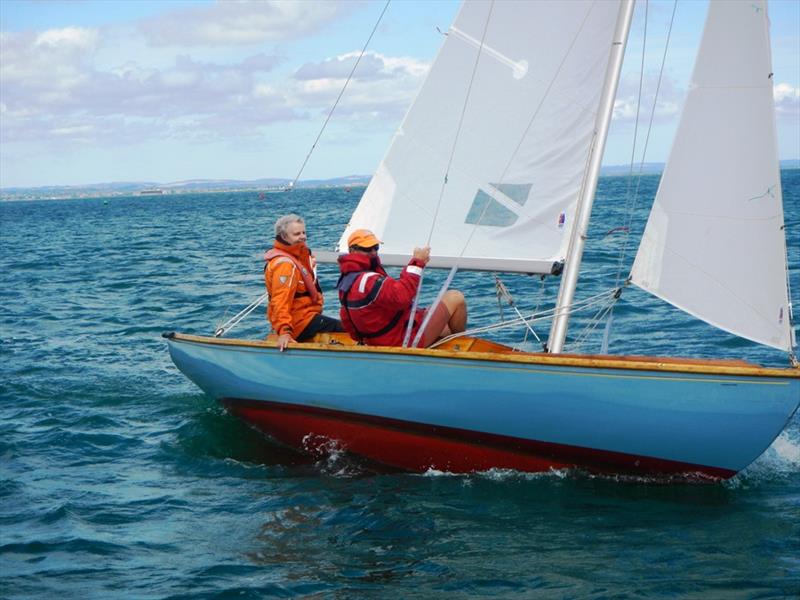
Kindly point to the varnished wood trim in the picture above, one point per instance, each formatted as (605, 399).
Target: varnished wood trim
(461, 349)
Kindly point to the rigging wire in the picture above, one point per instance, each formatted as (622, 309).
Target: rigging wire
(234, 320)
(527, 129)
(636, 129)
(587, 331)
(430, 311)
(597, 299)
(461, 120)
(341, 93)
(598, 318)
(453, 270)
(633, 200)
(504, 294)
(525, 133)
(502, 177)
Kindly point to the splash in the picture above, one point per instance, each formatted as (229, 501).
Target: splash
(500, 475)
(787, 450)
(783, 456)
(781, 459)
(331, 456)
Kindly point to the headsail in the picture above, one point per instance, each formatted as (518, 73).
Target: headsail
(714, 244)
(523, 145)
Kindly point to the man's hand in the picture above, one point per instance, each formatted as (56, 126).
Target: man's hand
(283, 341)
(423, 254)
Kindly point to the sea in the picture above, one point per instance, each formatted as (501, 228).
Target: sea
(120, 479)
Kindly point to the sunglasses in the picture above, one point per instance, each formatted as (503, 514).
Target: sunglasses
(374, 248)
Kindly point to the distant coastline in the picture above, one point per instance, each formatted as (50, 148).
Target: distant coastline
(211, 186)
(195, 186)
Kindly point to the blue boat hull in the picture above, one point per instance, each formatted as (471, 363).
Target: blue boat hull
(420, 409)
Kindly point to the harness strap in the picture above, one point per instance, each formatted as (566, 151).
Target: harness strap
(369, 298)
(345, 285)
(311, 284)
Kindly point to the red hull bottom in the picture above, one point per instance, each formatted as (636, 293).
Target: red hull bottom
(417, 447)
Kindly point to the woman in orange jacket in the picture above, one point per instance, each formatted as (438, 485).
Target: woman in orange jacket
(295, 297)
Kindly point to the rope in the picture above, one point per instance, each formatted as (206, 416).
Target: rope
(597, 299)
(502, 292)
(631, 204)
(502, 177)
(430, 311)
(600, 315)
(460, 121)
(414, 305)
(341, 93)
(633, 201)
(441, 194)
(233, 321)
(533, 118)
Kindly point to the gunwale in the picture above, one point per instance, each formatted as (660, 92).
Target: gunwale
(477, 349)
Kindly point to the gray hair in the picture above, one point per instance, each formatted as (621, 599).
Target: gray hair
(282, 224)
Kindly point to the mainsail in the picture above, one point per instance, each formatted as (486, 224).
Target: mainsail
(714, 244)
(517, 156)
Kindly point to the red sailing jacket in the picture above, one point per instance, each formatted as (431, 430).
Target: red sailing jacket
(376, 308)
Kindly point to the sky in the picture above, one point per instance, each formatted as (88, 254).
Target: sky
(165, 91)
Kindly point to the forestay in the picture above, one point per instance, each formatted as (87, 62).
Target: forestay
(714, 244)
(520, 153)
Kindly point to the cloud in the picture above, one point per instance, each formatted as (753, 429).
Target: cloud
(787, 100)
(237, 23)
(380, 91)
(627, 104)
(69, 86)
(52, 89)
(66, 38)
(53, 61)
(371, 66)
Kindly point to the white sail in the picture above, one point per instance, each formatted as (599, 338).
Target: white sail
(714, 244)
(522, 148)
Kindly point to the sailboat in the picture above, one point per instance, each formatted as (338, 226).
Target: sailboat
(498, 157)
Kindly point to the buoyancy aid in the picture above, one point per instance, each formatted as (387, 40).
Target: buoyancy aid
(310, 282)
(375, 307)
(295, 297)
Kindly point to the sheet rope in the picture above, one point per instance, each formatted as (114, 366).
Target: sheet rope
(533, 119)
(233, 321)
(602, 300)
(453, 270)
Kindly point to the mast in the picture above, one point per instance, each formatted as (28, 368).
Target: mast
(583, 211)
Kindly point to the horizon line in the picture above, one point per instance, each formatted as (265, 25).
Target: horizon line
(276, 181)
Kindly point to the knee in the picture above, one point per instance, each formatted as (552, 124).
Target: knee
(455, 298)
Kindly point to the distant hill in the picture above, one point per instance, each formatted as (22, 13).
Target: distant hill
(645, 168)
(653, 168)
(129, 188)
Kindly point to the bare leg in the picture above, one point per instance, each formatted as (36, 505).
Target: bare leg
(450, 316)
(457, 307)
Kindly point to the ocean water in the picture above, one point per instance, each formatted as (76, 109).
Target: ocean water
(120, 479)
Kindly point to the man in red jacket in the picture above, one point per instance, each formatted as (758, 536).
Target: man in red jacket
(376, 308)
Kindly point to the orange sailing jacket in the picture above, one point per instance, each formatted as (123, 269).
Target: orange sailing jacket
(291, 304)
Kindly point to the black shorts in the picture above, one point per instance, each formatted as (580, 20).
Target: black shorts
(320, 324)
